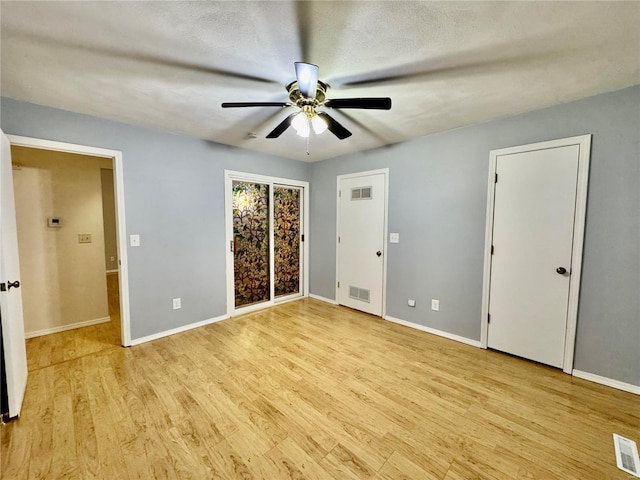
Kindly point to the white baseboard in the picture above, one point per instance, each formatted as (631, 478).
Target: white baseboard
(323, 299)
(166, 333)
(609, 382)
(440, 333)
(63, 328)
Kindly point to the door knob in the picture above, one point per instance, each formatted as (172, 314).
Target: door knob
(378, 253)
(15, 284)
(561, 270)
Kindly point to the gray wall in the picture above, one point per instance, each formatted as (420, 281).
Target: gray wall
(174, 195)
(437, 202)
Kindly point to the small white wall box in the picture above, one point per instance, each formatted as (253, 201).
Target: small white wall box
(54, 222)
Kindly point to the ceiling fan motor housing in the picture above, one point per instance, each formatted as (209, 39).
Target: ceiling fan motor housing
(296, 97)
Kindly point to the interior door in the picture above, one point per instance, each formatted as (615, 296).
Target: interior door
(535, 199)
(361, 242)
(15, 355)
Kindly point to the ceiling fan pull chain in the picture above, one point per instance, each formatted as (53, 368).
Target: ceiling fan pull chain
(308, 138)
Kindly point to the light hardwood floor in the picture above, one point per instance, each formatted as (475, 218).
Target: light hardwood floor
(310, 390)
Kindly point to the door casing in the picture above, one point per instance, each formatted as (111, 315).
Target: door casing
(118, 171)
(385, 172)
(229, 177)
(584, 144)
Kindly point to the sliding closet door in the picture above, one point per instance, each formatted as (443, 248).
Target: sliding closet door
(251, 246)
(265, 222)
(287, 237)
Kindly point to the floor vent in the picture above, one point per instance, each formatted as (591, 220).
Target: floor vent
(359, 293)
(627, 455)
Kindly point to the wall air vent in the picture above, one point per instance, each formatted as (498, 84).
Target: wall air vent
(361, 193)
(359, 293)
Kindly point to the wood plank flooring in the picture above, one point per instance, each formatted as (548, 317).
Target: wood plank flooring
(307, 390)
(48, 350)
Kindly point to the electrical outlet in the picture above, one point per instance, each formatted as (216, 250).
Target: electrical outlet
(394, 238)
(113, 259)
(177, 303)
(411, 302)
(435, 305)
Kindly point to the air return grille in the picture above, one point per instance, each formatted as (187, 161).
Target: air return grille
(359, 293)
(361, 193)
(626, 455)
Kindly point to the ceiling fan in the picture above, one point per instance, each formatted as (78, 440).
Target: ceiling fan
(308, 94)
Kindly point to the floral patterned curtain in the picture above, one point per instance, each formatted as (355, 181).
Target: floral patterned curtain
(286, 224)
(251, 243)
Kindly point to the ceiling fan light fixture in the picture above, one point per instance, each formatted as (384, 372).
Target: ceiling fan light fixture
(301, 124)
(319, 124)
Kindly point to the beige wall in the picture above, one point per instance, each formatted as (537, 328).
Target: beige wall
(63, 281)
(109, 219)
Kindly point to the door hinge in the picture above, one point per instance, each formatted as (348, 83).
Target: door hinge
(338, 239)
(338, 284)
(488, 318)
(231, 246)
(339, 193)
(3, 287)
(495, 179)
(491, 249)
(302, 238)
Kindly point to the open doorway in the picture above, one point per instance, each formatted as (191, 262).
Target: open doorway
(66, 224)
(97, 211)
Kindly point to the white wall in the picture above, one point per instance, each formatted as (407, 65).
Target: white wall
(63, 281)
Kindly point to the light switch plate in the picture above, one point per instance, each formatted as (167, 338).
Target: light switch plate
(177, 303)
(435, 305)
(84, 238)
(134, 240)
(394, 238)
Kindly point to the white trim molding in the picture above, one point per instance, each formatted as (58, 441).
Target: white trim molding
(584, 145)
(173, 331)
(118, 171)
(433, 331)
(64, 328)
(609, 382)
(323, 299)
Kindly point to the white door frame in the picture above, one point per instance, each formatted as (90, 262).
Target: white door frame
(116, 157)
(584, 144)
(229, 177)
(385, 172)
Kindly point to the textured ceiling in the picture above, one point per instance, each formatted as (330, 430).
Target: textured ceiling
(169, 65)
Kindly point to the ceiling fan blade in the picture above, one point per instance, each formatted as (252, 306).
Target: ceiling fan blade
(304, 16)
(381, 138)
(307, 77)
(334, 127)
(254, 104)
(140, 57)
(383, 103)
(279, 130)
